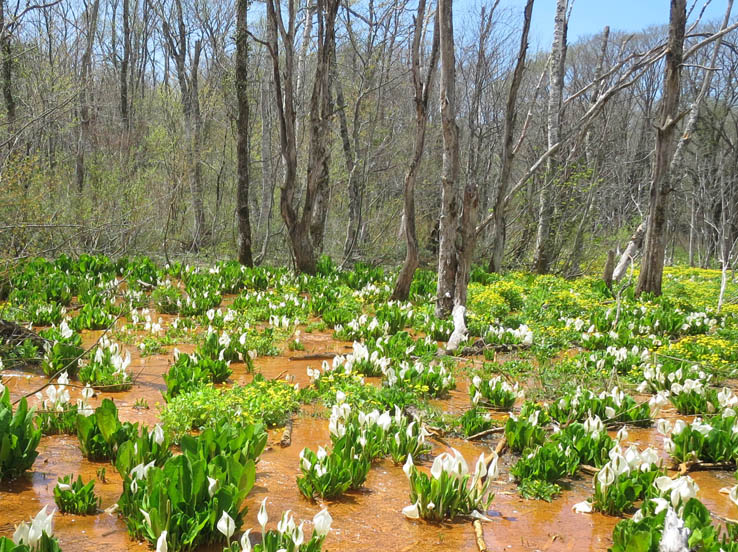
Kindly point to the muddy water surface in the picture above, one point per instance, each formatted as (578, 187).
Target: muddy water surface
(366, 520)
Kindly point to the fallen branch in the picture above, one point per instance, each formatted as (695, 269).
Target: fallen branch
(480, 346)
(589, 470)
(315, 356)
(480, 536)
(686, 467)
(286, 435)
(485, 433)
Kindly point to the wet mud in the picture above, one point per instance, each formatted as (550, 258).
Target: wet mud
(365, 520)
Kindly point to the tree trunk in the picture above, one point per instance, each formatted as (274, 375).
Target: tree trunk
(242, 194)
(194, 147)
(634, 245)
(267, 172)
(508, 155)
(83, 131)
(675, 164)
(354, 190)
(307, 227)
(315, 209)
(447, 264)
(652, 266)
(542, 255)
(7, 69)
(467, 235)
(422, 92)
(124, 64)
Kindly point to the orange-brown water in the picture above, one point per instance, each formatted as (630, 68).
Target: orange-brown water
(366, 520)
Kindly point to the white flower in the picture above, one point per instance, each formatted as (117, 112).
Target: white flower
(412, 512)
(158, 434)
(31, 534)
(286, 524)
(212, 486)
(161, 542)
(322, 522)
(622, 434)
(298, 536)
(438, 465)
(606, 477)
(262, 516)
(584, 507)
(704, 429)
(663, 426)
(245, 542)
(679, 426)
(146, 516)
(226, 525)
(66, 331)
(408, 467)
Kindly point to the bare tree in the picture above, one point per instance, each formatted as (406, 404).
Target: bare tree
(303, 228)
(447, 262)
(542, 252)
(508, 152)
(421, 87)
(242, 94)
(178, 48)
(652, 267)
(83, 132)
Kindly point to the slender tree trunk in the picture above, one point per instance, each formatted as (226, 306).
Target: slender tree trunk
(194, 146)
(124, 64)
(267, 172)
(302, 228)
(508, 155)
(83, 131)
(315, 210)
(652, 266)
(675, 165)
(242, 194)
(422, 92)
(467, 236)
(7, 69)
(354, 191)
(447, 263)
(542, 255)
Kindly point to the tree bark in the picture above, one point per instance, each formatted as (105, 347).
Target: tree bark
(267, 171)
(303, 228)
(7, 69)
(83, 130)
(652, 266)
(242, 147)
(422, 92)
(447, 263)
(315, 209)
(124, 64)
(508, 155)
(542, 255)
(675, 165)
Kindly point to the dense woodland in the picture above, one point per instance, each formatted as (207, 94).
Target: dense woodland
(276, 132)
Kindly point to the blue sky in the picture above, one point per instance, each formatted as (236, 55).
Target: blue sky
(590, 16)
